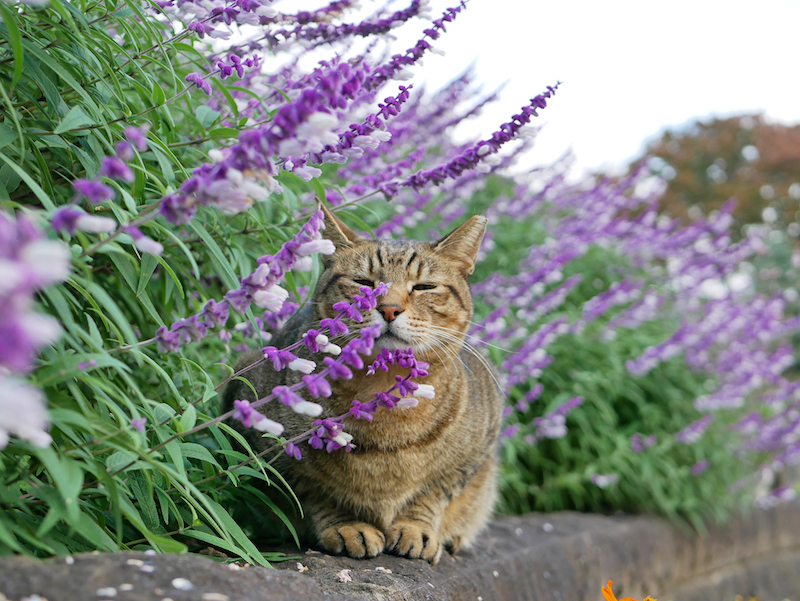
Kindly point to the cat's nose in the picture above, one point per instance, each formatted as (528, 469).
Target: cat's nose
(390, 312)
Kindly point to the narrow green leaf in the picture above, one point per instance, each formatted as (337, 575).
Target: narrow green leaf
(75, 118)
(15, 41)
(224, 267)
(35, 188)
(149, 263)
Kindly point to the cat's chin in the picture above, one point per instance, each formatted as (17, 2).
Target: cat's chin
(392, 342)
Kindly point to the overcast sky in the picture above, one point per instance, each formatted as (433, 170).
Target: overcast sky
(630, 67)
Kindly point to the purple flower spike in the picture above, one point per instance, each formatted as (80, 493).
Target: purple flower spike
(139, 423)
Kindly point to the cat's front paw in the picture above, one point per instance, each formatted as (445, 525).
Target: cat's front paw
(413, 540)
(356, 539)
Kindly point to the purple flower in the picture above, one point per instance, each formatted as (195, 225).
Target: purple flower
(287, 396)
(114, 168)
(95, 192)
(335, 325)
(699, 467)
(138, 136)
(337, 370)
(124, 150)
(639, 443)
(139, 423)
(363, 410)
(198, 80)
(244, 412)
(317, 385)
(694, 431)
(294, 451)
(71, 219)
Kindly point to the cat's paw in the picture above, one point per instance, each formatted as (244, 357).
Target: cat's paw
(356, 539)
(413, 540)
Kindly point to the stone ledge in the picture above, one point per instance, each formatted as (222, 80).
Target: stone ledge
(539, 557)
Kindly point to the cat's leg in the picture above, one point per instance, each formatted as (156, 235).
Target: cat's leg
(414, 533)
(466, 516)
(343, 534)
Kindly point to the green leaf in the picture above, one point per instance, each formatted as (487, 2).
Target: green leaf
(206, 115)
(67, 475)
(223, 133)
(15, 41)
(192, 450)
(74, 119)
(223, 265)
(158, 94)
(35, 188)
(149, 263)
(188, 419)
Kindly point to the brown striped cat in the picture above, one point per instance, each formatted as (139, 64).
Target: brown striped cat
(421, 478)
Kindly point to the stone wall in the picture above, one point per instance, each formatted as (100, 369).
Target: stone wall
(539, 557)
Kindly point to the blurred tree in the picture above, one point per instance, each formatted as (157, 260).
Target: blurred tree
(745, 157)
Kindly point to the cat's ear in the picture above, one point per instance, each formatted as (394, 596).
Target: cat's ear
(463, 243)
(337, 232)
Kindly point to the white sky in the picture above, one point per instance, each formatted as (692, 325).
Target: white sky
(630, 67)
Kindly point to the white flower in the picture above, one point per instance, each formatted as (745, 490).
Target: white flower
(425, 391)
(407, 403)
(22, 413)
(303, 365)
(342, 438)
(303, 264)
(47, 261)
(11, 275)
(266, 11)
(308, 408)
(148, 245)
(94, 224)
(41, 329)
(324, 246)
(321, 339)
(267, 425)
(271, 298)
(367, 142)
(307, 173)
(332, 349)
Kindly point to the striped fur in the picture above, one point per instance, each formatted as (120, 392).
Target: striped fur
(419, 479)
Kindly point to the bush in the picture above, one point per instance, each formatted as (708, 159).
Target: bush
(158, 216)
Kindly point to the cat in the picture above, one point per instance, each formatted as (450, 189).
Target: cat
(419, 479)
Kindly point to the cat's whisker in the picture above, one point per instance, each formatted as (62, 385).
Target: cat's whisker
(500, 348)
(472, 350)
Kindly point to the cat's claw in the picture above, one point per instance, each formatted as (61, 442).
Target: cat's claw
(355, 539)
(413, 541)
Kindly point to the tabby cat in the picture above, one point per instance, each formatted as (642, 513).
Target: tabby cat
(421, 478)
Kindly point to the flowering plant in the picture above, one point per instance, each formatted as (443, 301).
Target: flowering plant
(158, 185)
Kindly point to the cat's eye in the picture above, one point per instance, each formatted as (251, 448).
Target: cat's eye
(424, 287)
(369, 283)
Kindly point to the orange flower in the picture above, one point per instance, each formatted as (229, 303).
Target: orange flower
(609, 594)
